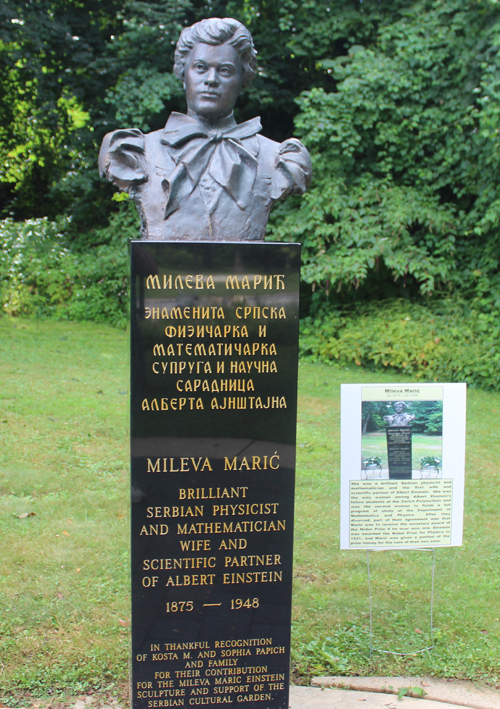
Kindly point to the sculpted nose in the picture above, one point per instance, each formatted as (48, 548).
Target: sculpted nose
(212, 78)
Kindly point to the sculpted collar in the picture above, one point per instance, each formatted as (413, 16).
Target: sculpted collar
(221, 153)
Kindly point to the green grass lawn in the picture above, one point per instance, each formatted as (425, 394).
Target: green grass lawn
(64, 596)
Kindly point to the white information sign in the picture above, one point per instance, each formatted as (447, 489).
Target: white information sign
(402, 465)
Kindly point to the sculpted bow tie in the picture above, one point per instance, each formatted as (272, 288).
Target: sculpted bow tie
(221, 154)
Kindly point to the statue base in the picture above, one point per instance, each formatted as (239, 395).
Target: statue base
(214, 348)
(399, 452)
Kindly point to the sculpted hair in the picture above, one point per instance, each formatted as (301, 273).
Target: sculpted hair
(215, 31)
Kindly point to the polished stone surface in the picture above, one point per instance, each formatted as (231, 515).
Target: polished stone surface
(214, 332)
(399, 452)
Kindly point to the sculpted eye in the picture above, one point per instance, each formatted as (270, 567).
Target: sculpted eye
(200, 67)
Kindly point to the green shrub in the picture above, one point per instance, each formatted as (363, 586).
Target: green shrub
(447, 340)
(405, 148)
(46, 272)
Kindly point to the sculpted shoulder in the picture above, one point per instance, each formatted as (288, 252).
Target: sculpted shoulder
(290, 165)
(122, 157)
(153, 139)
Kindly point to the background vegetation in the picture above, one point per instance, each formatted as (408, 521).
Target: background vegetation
(398, 102)
(428, 416)
(64, 568)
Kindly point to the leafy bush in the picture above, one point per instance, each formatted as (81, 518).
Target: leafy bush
(430, 461)
(443, 340)
(44, 272)
(405, 148)
(48, 271)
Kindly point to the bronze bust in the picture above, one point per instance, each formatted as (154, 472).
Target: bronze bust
(203, 177)
(400, 418)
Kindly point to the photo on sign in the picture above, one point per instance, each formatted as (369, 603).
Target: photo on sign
(424, 423)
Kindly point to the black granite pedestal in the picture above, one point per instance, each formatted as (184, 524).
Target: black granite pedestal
(214, 332)
(399, 452)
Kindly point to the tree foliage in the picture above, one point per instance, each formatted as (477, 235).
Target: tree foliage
(71, 70)
(428, 416)
(75, 69)
(398, 102)
(406, 156)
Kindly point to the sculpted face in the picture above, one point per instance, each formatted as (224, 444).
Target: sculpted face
(212, 80)
(399, 407)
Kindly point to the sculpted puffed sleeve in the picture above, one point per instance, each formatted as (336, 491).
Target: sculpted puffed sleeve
(122, 158)
(294, 169)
